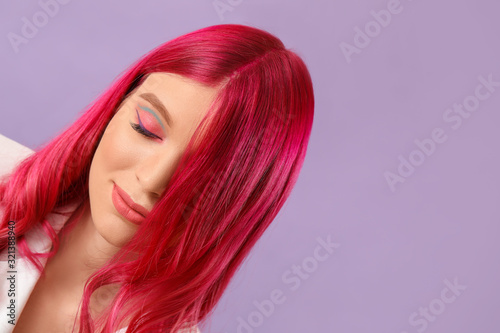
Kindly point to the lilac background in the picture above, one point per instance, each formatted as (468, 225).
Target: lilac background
(397, 248)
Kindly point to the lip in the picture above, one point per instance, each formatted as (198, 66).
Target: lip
(124, 204)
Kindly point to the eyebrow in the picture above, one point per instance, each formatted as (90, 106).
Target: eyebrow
(155, 101)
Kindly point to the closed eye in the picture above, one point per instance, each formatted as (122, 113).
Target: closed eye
(141, 129)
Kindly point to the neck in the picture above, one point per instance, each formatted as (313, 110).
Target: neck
(82, 251)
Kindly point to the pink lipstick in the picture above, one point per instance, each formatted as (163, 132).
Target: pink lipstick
(124, 204)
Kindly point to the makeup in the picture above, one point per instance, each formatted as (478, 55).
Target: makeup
(154, 115)
(155, 101)
(126, 207)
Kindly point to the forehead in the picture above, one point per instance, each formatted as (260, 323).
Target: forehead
(179, 94)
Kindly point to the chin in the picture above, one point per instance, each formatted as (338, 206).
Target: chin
(112, 227)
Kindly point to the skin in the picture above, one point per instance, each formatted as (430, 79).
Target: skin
(139, 165)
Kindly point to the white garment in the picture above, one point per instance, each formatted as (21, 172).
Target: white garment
(26, 276)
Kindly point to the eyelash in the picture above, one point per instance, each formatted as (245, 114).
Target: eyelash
(143, 131)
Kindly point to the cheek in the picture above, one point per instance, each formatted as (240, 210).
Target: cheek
(116, 151)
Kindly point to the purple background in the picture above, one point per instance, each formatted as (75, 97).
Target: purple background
(399, 249)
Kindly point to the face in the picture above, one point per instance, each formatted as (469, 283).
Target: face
(140, 150)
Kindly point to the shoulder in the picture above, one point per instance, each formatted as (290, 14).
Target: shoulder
(11, 153)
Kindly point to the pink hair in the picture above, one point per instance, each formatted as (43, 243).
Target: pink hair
(218, 203)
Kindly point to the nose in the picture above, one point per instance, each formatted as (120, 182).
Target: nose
(155, 170)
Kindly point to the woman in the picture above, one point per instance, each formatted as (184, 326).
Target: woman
(168, 180)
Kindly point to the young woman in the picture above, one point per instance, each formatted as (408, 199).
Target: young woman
(161, 188)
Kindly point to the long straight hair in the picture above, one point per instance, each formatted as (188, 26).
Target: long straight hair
(221, 198)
